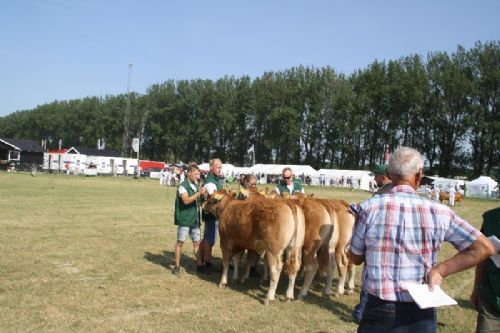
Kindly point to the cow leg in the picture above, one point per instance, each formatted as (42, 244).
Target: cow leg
(329, 275)
(251, 256)
(310, 268)
(350, 283)
(226, 257)
(293, 265)
(236, 263)
(342, 273)
(274, 262)
(265, 276)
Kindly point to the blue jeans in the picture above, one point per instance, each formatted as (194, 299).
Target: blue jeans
(358, 309)
(211, 230)
(396, 317)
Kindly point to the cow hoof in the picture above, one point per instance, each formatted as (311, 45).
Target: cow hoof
(336, 295)
(242, 281)
(300, 297)
(288, 300)
(266, 302)
(222, 286)
(326, 296)
(350, 292)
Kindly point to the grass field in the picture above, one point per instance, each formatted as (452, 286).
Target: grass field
(84, 254)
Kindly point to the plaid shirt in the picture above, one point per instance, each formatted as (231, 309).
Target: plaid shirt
(400, 235)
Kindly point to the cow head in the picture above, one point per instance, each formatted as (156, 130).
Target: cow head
(213, 204)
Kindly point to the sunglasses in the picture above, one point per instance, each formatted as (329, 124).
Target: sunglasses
(286, 178)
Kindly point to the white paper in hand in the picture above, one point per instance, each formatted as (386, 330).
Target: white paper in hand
(429, 299)
(496, 244)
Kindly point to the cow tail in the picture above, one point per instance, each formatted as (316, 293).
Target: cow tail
(291, 262)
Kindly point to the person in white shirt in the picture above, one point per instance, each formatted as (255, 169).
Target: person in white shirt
(452, 192)
(436, 193)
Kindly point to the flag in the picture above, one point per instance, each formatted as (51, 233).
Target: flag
(386, 157)
(250, 150)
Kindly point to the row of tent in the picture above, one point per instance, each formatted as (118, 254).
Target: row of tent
(92, 161)
(482, 187)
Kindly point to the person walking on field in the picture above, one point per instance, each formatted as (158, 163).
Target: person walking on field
(398, 235)
(485, 297)
(187, 207)
(289, 184)
(212, 184)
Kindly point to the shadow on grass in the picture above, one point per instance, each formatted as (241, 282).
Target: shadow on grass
(166, 259)
(255, 287)
(464, 303)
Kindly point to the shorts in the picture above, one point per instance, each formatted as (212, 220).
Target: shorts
(210, 232)
(194, 233)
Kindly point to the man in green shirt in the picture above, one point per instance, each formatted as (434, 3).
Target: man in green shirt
(289, 184)
(486, 294)
(187, 207)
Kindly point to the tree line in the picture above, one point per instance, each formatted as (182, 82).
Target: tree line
(446, 106)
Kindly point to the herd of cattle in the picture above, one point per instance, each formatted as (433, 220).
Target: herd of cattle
(303, 230)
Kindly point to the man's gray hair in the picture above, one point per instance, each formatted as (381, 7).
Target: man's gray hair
(211, 163)
(405, 162)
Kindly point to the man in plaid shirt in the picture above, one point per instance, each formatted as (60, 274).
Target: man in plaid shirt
(398, 235)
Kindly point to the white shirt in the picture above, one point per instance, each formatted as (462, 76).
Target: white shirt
(183, 190)
(211, 188)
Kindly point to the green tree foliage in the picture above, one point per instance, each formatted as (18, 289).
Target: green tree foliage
(446, 107)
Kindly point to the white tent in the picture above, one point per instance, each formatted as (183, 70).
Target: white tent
(361, 178)
(277, 169)
(483, 187)
(444, 183)
(227, 168)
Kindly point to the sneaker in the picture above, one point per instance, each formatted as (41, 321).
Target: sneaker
(176, 270)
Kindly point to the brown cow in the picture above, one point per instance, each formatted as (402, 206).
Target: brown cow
(318, 232)
(444, 197)
(339, 247)
(260, 225)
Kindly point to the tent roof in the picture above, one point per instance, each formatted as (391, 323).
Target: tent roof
(356, 174)
(276, 169)
(484, 180)
(226, 167)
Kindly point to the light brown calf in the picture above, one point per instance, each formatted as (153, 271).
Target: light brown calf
(259, 224)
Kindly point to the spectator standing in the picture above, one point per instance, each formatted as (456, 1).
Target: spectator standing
(485, 297)
(186, 218)
(452, 192)
(289, 184)
(436, 193)
(212, 184)
(398, 235)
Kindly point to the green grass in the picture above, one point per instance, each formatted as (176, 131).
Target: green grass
(84, 254)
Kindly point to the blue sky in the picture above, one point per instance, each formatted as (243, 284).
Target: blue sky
(67, 49)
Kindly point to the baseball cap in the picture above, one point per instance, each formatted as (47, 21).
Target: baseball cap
(380, 170)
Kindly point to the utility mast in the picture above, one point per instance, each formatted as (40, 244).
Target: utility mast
(127, 115)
